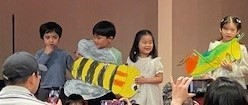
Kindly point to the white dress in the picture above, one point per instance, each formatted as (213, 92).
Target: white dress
(240, 67)
(148, 94)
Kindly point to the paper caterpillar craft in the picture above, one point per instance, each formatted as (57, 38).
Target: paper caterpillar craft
(198, 64)
(117, 78)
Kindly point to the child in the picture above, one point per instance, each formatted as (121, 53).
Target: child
(99, 48)
(55, 59)
(75, 99)
(229, 28)
(143, 55)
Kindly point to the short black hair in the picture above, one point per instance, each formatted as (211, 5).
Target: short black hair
(50, 27)
(16, 81)
(104, 28)
(75, 98)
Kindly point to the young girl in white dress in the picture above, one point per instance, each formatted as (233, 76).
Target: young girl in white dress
(229, 28)
(143, 55)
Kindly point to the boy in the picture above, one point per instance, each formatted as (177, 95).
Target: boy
(100, 49)
(55, 59)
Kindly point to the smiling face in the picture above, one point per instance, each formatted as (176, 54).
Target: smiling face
(102, 41)
(228, 32)
(145, 45)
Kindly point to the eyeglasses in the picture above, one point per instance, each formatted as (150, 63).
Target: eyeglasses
(37, 73)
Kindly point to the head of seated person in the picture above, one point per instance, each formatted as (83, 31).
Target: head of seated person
(225, 91)
(76, 99)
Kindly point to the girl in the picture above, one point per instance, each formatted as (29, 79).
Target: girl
(143, 55)
(229, 28)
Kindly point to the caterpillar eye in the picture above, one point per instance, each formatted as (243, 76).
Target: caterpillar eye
(134, 87)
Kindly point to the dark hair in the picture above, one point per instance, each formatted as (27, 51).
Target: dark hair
(225, 91)
(50, 27)
(75, 98)
(231, 19)
(16, 81)
(104, 28)
(134, 53)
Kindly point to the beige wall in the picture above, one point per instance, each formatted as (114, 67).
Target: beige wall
(165, 37)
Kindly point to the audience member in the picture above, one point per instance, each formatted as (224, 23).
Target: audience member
(21, 74)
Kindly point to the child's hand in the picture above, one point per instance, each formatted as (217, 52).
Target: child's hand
(48, 49)
(207, 76)
(140, 80)
(226, 64)
(78, 55)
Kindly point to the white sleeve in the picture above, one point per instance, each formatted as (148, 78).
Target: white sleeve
(129, 62)
(212, 45)
(240, 68)
(243, 48)
(158, 65)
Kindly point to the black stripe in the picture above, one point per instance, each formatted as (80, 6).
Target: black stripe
(112, 77)
(101, 75)
(90, 74)
(80, 68)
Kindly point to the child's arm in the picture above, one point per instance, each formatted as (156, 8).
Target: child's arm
(69, 63)
(238, 68)
(241, 68)
(158, 78)
(78, 55)
(152, 80)
(41, 57)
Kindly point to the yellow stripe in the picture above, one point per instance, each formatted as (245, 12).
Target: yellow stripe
(98, 69)
(75, 67)
(109, 70)
(86, 68)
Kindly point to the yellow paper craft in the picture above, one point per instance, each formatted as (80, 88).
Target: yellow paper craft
(117, 78)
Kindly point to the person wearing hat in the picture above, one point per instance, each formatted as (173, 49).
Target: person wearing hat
(21, 74)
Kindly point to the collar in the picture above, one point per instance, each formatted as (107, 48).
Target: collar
(13, 89)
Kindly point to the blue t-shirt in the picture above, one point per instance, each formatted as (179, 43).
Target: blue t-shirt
(57, 62)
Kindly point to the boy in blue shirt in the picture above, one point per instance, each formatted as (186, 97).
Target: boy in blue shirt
(57, 61)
